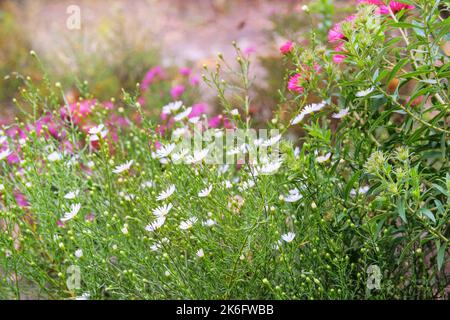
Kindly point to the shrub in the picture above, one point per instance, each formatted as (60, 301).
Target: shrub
(355, 207)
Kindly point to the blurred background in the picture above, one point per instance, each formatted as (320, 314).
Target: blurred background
(119, 40)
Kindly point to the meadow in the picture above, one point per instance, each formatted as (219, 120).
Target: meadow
(326, 178)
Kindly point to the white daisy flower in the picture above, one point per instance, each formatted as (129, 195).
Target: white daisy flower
(299, 118)
(364, 93)
(324, 158)
(183, 114)
(362, 190)
(200, 253)
(158, 245)
(123, 167)
(194, 120)
(5, 153)
(233, 151)
(205, 192)
(54, 156)
(185, 225)
(96, 130)
(95, 137)
(277, 245)
(293, 196)
(72, 195)
(198, 156)
(155, 247)
(165, 151)
(158, 223)
(228, 184)
(314, 107)
(166, 193)
(74, 209)
(272, 141)
(342, 113)
(124, 230)
(223, 169)
(79, 253)
(179, 156)
(173, 106)
(209, 223)
(288, 237)
(247, 185)
(179, 132)
(258, 142)
(2, 187)
(271, 167)
(147, 184)
(162, 211)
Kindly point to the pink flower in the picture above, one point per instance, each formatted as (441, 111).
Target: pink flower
(52, 127)
(177, 91)
(395, 6)
(13, 158)
(198, 109)
(335, 34)
(194, 80)
(108, 105)
(215, 121)
(78, 111)
(185, 71)
(338, 58)
(90, 217)
(287, 47)
(375, 2)
(150, 76)
(249, 50)
(294, 84)
(21, 199)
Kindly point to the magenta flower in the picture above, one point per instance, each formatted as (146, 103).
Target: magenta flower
(335, 34)
(249, 50)
(287, 47)
(108, 105)
(152, 74)
(21, 199)
(395, 6)
(215, 121)
(294, 84)
(78, 110)
(375, 2)
(198, 109)
(185, 71)
(90, 217)
(52, 127)
(194, 80)
(177, 91)
(338, 58)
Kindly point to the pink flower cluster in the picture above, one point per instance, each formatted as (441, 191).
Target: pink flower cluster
(336, 35)
(287, 47)
(392, 6)
(295, 83)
